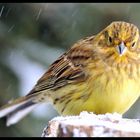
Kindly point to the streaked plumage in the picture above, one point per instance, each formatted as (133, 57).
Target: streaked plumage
(99, 74)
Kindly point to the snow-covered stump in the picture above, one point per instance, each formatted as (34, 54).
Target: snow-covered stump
(91, 125)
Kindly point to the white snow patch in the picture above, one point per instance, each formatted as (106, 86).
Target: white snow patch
(77, 133)
(91, 119)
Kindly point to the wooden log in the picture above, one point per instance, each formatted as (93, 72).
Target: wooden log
(91, 125)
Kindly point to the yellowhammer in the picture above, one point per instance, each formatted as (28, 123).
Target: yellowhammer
(98, 74)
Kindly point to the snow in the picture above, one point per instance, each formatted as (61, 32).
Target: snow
(112, 121)
(77, 133)
(2, 8)
(11, 28)
(38, 15)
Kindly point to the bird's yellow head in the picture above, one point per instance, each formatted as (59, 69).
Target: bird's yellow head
(120, 38)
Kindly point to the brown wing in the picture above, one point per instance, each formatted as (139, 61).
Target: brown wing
(68, 68)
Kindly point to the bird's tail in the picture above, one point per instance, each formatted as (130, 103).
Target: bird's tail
(17, 109)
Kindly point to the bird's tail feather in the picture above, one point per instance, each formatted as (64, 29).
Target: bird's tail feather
(17, 109)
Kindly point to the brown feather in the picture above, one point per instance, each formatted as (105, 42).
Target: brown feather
(68, 68)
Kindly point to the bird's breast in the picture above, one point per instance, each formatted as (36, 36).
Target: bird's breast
(114, 89)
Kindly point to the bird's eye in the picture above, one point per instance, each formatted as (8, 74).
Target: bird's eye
(110, 39)
(133, 44)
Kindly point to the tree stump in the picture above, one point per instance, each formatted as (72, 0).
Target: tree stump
(91, 125)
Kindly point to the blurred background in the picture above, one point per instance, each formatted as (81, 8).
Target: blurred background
(33, 35)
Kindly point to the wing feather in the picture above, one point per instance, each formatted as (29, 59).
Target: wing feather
(68, 68)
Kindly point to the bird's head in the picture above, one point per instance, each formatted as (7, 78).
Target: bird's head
(120, 38)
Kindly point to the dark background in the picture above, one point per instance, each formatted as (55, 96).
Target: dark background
(32, 36)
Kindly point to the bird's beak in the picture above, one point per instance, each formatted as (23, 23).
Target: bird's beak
(121, 48)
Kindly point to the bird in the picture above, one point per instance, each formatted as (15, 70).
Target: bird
(99, 74)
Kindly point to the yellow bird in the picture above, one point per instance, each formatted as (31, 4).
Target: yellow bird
(99, 74)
